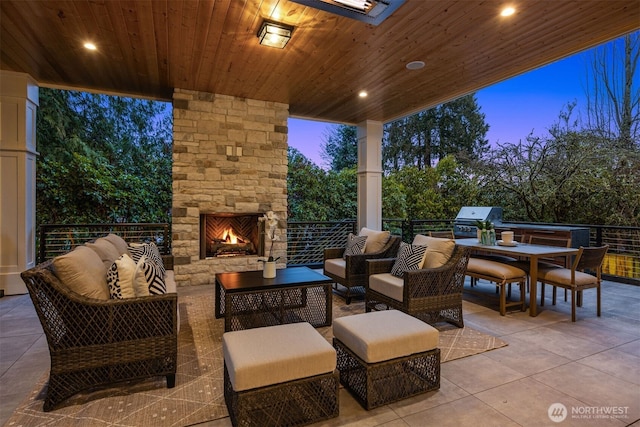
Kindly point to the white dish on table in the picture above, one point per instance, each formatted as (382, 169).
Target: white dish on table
(502, 243)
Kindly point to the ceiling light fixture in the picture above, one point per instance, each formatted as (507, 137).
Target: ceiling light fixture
(507, 11)
(274, 34)
(90, 46)
(361, 5)
(363, 94)
(369, 11)
(415, 65)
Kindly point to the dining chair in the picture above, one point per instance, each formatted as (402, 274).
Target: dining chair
(576, 279)
(535, 239)
(444, 234)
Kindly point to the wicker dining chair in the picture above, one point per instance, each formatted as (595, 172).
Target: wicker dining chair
(429, 294)
(575, 278)
(444, 234)
(535, 239)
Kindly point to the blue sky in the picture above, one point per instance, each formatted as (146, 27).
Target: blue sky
(513, 108)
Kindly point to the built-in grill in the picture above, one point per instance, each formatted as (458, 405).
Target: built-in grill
(465, 222)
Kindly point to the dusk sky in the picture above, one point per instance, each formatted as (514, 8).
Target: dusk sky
(513, 108)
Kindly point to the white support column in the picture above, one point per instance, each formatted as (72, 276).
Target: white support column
(370, 175)
(18, 106)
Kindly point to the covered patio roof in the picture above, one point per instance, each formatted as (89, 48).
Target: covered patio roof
(148, 48)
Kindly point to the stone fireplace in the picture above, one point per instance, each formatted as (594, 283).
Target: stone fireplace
(229, 159)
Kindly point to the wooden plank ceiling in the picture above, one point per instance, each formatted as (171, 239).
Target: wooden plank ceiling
(147, 48)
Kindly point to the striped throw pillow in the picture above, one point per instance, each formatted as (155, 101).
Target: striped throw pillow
(409, 258)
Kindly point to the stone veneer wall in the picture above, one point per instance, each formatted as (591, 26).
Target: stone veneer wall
(229, 155)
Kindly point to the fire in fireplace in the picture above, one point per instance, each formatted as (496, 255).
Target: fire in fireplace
(227, 235)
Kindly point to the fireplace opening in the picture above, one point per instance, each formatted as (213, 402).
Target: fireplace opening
(230, 235)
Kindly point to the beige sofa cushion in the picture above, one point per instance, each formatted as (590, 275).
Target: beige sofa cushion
(119, 243)
(335, 266)
(82, 271)
(375, 240)
(387, 284)
(105, 250)
(383, 335)
(276, 354)
(438, 250)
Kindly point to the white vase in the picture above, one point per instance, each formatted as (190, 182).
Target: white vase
(269, 270)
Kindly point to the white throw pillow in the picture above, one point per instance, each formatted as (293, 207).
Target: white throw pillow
(376, 240)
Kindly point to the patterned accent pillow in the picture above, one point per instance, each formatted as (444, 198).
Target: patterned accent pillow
(355, 245)
(409, 258)
(153, 276)
(121, 278)
(151, 251)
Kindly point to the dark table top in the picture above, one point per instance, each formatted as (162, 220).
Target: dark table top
(285, 277)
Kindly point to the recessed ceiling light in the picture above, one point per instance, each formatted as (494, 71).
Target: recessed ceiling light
(90, 46)
(507, 11)
(363, 94)
(415, 65)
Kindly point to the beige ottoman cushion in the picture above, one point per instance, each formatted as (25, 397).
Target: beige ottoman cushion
(383, 335)
(276, 354)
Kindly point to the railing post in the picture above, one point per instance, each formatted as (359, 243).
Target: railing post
(42, 244)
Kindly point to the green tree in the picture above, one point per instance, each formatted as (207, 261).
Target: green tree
(306, 189)
(340, 149)
(454, 128)
(613, 110)
(102, 159)
(571, 176)
(434, 193)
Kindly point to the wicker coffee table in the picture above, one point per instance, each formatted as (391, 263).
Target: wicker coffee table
(297, 294)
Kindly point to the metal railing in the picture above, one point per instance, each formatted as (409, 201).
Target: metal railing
(622, 263)
(306, 240)
(57, 239)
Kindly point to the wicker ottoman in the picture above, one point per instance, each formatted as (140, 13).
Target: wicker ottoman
(386, 356)
(282, 375)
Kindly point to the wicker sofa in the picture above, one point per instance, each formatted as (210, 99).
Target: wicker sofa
(95, 341)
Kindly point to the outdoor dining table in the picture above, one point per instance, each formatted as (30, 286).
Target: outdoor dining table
(524, 250)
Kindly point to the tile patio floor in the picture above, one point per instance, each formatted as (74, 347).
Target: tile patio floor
(590, 365)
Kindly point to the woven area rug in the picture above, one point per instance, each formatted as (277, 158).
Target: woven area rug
(198, 394)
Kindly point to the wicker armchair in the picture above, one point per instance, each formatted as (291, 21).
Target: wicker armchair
(97, 342)
(430, 294)
(355, 268)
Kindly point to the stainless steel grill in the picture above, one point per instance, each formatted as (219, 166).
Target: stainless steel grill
(464, 224)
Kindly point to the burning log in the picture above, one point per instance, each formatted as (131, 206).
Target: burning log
(220, 248)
